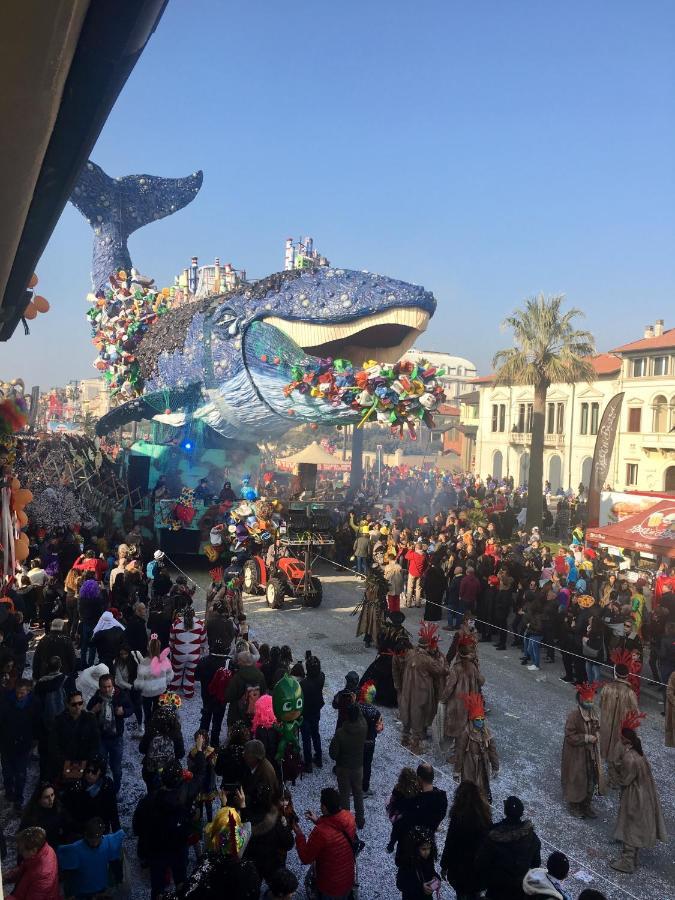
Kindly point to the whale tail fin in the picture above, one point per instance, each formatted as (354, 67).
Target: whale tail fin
(116, 207)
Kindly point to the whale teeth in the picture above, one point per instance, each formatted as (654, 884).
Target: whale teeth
(384, 336)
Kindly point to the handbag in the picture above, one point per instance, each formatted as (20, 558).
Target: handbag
(588, 651)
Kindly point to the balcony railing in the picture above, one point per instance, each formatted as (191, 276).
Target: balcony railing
(525, 439)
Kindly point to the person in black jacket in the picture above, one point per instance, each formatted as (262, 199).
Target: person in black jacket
(108, 638)
(510, 849)
(312, 693)
(92, 796)
(470, 820)
(91, 605)
(20, 726)
(416, 878)
(168, 818)
(74, 735)
(213, 709)
(111, 705)
(271, 835)
(45, 810)
(136, 634)
(54, 643)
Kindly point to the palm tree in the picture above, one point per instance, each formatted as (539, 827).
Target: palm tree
(547, 350)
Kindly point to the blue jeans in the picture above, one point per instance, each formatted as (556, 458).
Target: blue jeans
(362, 564)
(111, 747)
(534, 648)
(310, 735)
(593, 671)
(87, 649)
(14, 767)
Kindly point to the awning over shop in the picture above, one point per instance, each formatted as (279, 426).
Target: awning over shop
(650, 531)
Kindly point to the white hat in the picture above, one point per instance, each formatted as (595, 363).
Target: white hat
(158, 554)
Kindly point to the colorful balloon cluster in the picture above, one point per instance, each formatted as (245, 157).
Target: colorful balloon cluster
(398, 395)
(119, 319)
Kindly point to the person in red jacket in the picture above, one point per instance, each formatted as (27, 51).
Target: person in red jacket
(418, 563)
(330, 847)
(38, 874)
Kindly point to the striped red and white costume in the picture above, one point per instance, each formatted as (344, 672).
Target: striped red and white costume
(187, 645)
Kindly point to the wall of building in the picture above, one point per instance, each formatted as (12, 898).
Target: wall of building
(568, 452)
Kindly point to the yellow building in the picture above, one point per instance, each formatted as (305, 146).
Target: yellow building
(497, 421)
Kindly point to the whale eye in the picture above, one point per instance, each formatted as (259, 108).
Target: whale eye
(226, 322)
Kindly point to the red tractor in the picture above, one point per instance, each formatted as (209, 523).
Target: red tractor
(287, 576)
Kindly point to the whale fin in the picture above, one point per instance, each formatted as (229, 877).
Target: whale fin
(116, 207)
(149, 405)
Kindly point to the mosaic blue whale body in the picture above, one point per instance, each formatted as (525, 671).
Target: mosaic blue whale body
(226, 360)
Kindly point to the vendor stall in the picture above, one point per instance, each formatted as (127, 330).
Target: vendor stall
(650, 531)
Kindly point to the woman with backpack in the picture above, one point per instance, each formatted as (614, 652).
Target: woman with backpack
(161, 744)
(153, 675)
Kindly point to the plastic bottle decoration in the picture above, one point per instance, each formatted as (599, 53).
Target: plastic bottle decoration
(398, 396)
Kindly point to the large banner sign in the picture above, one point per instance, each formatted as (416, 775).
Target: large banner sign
(604, 444)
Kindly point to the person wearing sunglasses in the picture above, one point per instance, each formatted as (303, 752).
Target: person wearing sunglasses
(74, 737)
(92, 796)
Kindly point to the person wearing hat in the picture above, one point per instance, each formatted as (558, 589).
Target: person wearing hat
(617, 699)
(510, 849)
(547, 882)
(464, 677)
(581, 771)
(54, 643)
(259, 770)
(155, 564)
(392, 639)
(640, 821)
(418, 675)
(476, 757)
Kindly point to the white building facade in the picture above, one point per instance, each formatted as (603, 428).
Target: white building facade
(644, 451)
(459, 372)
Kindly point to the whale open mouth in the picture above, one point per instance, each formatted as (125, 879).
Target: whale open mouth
(383, 336)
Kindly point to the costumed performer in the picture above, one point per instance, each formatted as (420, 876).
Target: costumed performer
(476, 757)
(392, 640)
(581, 771)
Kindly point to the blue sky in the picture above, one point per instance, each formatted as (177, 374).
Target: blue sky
(488, 150)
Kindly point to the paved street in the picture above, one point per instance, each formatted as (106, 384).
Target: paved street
(527, 718)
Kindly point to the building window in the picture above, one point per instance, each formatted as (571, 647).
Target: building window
(634, 419)
(631, 474)
(583, 425)
(559, 418)
(660, 414)
(639, 367)
(498, 416)
(660, 365)
(595, 417)
(550, 417)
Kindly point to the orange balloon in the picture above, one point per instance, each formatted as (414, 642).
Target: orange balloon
(21, 547)
(33, 280)
(22, 498)
(22, 517)
(30, 312)
(41, 303)
(15, 484)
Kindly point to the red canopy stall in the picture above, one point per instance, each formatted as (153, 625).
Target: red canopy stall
(649, 531)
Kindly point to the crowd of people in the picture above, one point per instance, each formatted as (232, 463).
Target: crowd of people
(122, 652)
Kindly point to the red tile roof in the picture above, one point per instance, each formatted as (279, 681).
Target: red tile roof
(603, 363)
(606, 364)
(664, 341)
